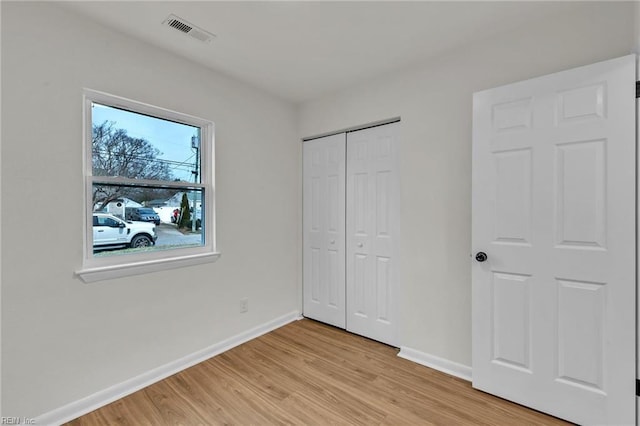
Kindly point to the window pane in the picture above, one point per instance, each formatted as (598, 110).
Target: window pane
(137, 146)
(135, 218)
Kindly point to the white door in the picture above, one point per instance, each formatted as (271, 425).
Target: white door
(372, 232)
(324, 229)
(554, 211)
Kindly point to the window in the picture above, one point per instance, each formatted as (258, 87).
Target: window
(105, 221)
(148, 188)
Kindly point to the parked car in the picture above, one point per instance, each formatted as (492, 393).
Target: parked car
(110, 231)
(142, 214)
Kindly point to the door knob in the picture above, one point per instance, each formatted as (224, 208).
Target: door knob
(481, 256)
(360, 244)
(333, 241)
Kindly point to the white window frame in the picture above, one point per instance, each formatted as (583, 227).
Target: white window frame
(109, 267)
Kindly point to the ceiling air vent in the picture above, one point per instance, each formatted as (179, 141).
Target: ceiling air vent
(185, 27)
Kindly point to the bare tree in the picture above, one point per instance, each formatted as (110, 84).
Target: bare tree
(117, 154)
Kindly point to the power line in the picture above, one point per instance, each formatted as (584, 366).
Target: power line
(184, 166)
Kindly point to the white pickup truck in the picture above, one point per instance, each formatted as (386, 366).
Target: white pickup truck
(110, 231)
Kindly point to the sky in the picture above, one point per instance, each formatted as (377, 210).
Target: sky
(172, 139)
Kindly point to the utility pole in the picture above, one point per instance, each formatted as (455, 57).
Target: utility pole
(195, 144)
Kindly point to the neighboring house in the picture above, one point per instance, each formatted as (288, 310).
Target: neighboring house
(165, 213)
(163, 207)
(175, 201)
(155, 203)
(117, 207)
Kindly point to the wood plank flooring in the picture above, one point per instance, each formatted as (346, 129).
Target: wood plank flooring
(308, 373)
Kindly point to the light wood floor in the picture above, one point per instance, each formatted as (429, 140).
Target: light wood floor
(307, 373)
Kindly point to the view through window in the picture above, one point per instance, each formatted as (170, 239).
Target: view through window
(147, 191)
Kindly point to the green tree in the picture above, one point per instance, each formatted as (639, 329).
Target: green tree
(185, 214)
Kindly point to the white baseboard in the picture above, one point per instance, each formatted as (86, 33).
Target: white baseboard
(437, 363)
(99, 399)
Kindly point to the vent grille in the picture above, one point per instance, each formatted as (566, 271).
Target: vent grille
(179, 25)
(187, 28)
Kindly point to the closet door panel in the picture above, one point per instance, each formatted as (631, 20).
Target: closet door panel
(372, 232)
(324, 229)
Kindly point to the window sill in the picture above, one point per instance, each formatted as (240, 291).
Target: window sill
(89, 275)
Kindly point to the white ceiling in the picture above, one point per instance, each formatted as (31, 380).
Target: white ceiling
(300, 50)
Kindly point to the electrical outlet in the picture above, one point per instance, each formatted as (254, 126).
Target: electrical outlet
(244, 305)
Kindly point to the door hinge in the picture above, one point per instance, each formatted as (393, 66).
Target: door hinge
(637, 89)
(637, 387)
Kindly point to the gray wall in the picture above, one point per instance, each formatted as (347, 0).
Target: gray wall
(63, 339)
(433, 100)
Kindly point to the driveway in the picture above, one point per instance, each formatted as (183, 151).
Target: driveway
(168, 235)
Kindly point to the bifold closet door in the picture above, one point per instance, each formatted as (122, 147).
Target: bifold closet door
(372, 232)
(324, 229)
